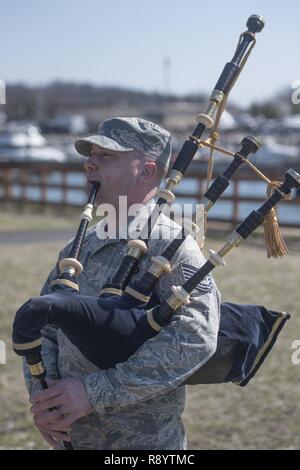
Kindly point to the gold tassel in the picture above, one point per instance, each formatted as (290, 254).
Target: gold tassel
(274, 242)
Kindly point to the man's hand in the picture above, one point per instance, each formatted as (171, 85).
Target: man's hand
(53, 438)
(55, 409)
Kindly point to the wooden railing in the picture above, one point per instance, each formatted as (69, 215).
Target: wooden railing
(18, 179)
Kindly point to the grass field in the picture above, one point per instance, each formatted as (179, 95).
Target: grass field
(264, 415)
(14, 219)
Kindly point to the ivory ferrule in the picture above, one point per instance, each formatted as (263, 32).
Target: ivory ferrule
(174, 302)
(87, 213)
(71, 266)
(216, 259)
(178, 298)
(166, 194)
(137, 248)
(159, 266)
(65, 282)
(137, 295)
(206, 120)
(135, 252)
(111, 290)
(174, 179)
(154, 325)
(207, 203)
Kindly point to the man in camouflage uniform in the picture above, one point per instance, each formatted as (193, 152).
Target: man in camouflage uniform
(138, 404)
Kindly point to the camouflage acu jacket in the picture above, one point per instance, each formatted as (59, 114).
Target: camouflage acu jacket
(139, 403)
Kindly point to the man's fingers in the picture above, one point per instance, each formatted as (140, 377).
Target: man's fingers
(46, 417)
(53, 443)
(63, 422)
(47, 404)
(46, 394)
(60, 426)
(54, 420)
(53, 436)
(60, 436)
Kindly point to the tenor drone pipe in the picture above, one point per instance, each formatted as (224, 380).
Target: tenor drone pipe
(117, 285)
(108, 331)
(254, 219)
(217, 188)
(143, 288)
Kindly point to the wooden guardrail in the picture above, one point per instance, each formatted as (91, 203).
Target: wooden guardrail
(18, 179)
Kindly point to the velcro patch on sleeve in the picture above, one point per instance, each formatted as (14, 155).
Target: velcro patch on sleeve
(206, 285)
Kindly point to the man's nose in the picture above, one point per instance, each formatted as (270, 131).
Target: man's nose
(89, 165)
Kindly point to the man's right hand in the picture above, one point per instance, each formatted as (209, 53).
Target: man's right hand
(54, 438)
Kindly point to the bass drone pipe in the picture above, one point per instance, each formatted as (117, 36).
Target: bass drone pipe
(137, 248)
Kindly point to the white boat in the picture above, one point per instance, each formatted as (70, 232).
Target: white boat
(24, 142)
(291, 122)
(274, 153)
(271, 152)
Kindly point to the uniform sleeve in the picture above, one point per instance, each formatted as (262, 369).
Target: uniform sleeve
(165, 361)
(49, 347)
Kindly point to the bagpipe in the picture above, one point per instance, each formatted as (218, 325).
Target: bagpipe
(110, 328)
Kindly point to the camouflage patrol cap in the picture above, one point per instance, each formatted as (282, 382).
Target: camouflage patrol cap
(123, 134)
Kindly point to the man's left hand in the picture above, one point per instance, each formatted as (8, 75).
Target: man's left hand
(56, 408)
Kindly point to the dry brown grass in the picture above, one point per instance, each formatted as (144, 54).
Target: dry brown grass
(266, 413)
(14, 219)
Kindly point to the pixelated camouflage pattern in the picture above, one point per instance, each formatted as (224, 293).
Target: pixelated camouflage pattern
(139, 403)
(123, 134)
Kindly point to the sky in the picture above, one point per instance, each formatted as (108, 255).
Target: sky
(124, 43)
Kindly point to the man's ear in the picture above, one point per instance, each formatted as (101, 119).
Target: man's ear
(148, 171)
